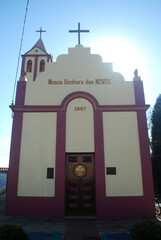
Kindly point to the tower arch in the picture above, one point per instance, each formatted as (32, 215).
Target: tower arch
(29, 66)
(42, 66)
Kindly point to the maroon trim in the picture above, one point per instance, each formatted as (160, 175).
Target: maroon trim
(12, 180)
(139, 93)
(79, 94)
(36, 61)
(20, 94)
(60, 164)
(123, 207)
(99, 162)
(146, 163)
(55, 108)
(34, 206)
(118, 207)
(37, 206)
(36, 55)
(23, 65)
(142, 206)
(35, 68)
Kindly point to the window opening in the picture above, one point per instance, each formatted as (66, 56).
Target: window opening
(29, 66)
(42, 66)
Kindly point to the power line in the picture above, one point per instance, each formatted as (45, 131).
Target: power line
(14, 88)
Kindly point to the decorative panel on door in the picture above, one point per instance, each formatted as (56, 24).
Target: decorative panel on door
(80, 191)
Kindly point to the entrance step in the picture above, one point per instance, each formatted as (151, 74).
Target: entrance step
(81, 229)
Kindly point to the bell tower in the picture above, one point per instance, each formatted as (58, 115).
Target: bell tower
(34, 61)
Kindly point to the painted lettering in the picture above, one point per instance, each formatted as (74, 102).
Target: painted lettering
(66, 81)
(50, 81)
(102, 81)
(83, 108)
(89, 82)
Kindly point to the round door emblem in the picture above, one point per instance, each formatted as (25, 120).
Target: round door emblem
(80, 170)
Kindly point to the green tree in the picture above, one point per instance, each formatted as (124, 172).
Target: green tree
(3, 191)
(156, 145)
(149, 124)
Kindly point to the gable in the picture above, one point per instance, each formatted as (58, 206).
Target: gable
(79, 70)
(36, 51)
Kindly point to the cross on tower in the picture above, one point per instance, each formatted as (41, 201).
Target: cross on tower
(40, 31)
(78, 31)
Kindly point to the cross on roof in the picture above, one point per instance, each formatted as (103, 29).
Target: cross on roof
(78, 31)
(40, 31)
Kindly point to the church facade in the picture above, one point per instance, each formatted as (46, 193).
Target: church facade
(79, 142)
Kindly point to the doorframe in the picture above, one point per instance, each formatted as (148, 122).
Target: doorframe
(93, 177)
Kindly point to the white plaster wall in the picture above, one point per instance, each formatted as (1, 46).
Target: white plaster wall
(37, 154)
(121, 148)
(39, 59)
(29, 75)
(79, 65)
(35, 51)
(79, 127)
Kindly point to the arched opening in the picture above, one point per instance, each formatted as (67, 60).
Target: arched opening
(80, 158)
(42, 66)
(29, 66)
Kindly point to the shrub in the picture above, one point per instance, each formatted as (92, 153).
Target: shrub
(146, 230)
(12, 232)
(3, 191)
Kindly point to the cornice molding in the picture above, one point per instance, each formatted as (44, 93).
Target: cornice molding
(56, 108)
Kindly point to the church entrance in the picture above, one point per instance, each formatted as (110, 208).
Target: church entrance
(80, 185)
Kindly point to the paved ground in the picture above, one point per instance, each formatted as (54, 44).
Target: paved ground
(81, 229)
(91, 226)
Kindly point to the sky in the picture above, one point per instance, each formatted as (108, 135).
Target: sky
(125, 32)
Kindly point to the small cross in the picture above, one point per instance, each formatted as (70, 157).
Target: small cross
(78, 31)
(40, 31)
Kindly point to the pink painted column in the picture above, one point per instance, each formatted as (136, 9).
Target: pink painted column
(12, 180)
(147, 177)
(139, 93)
(35, 68)
(148, 188)
(99, 163)
(60, 164)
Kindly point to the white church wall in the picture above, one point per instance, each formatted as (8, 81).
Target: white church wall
(29, 75)
(79, 126)
(36, 51)
(39, 60)
(79, 71)
(37, 154)
(121, 148)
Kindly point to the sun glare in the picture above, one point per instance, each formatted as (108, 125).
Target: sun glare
(124, 56)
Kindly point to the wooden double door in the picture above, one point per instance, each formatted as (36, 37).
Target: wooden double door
(80, 185)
